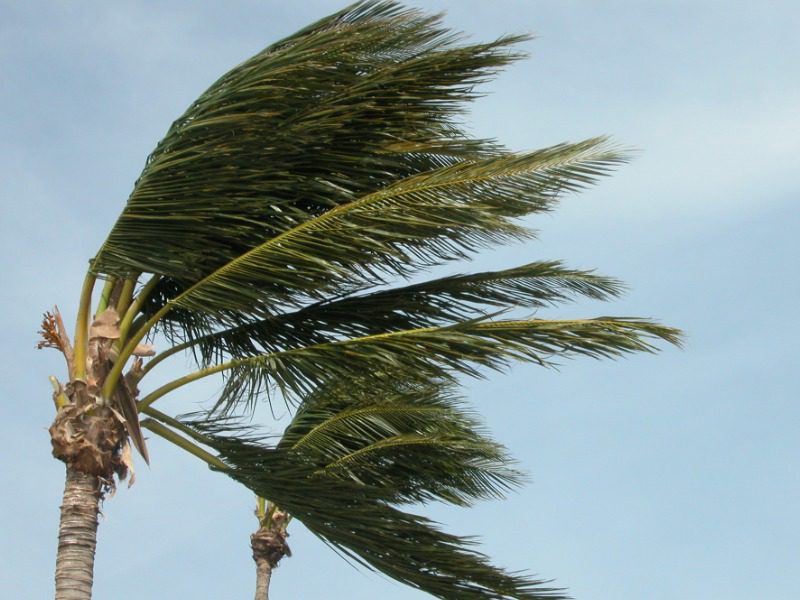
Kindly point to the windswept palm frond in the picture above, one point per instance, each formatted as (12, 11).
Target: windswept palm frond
(258, 200)
(418, 222)
(355, 519)
(437, 352)
(356, 448)
(361, 99)
(410, 440)
(436, 302)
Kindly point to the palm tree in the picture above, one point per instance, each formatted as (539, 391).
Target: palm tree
(284, 232)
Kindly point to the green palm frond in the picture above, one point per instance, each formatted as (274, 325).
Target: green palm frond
(418, 222)
(259, 202)
(341, 109)
(411, 441)
(436, 302)
(355, 519)
(437, 352)
(415, 223)
(356, 448)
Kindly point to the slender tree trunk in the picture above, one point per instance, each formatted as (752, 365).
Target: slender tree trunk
(77, 537)
(263, 574)
(269, 547)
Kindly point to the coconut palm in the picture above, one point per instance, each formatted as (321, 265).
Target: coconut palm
(285, 233)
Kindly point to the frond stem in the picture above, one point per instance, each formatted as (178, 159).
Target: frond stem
(181, 381)
(175, 424)
(349, 414)
(180, 441)
(126, 295)
(116, 371)
(133, 306)
(261, 511)
(166, 354)
(105, 295)
(397, 440)
(82, 327)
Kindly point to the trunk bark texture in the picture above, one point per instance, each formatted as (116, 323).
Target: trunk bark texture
(77, 536)
(263, 574)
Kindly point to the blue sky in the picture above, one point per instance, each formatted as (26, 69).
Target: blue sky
(658, 477)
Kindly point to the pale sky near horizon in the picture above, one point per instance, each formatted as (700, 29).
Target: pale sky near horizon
(653, 477)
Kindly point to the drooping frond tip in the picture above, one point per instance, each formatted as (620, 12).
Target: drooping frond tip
(355, 519)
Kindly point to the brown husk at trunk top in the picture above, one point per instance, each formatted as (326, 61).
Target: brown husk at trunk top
(89, 438)
(269, 547)
(91, 434)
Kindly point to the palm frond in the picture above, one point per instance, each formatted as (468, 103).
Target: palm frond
(438, 352)
(355, 519)
(260, 201)
(417, 222)
(341, 109)
(437, 302)
(412, 441)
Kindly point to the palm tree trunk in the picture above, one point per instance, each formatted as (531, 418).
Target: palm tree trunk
(77, 536)
(269, 547)
(263, 575)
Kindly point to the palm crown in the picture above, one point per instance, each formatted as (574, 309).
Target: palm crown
(284, 231)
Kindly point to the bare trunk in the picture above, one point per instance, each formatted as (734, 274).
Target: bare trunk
(269, 547)
(77, 537)
(263, 574)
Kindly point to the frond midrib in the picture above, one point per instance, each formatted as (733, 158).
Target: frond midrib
(334, 420)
